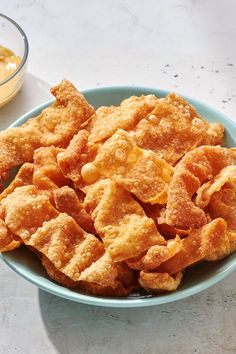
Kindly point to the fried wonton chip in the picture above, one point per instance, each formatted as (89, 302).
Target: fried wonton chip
(47, 174)
(66, 245)
(104, 277)
(223, 204)
(198, 245)
(26, 209)
(159, 282)
(102, 272)
(108, 119)
(8, 241)
(230, 246)
(56, 125)
(94, 194)
(196, 167)
(156, 255)
(204, 193)
(78, 153)
(139, 171)
(24, 177)
(173, 128)
(66, 201)
(123, 226)
(58, 276)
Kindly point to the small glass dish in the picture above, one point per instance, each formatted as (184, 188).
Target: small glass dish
(13, 37)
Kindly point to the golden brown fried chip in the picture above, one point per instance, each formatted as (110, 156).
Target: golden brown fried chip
(156, 255)
(108, 119)
(122, 224)
(104, 277)
(102, 272)
(66, 201)
(56, 125)
(230, 246)
(198, 245)
(17, 146)
(47, 174)
(26, 209)
(204, 193)
(139, 171)
(66, 245)
(24, 177)
(196, 167)
(223, 204)
(58, 276)
(159, 282)
(173, 128)
(94, 193)
(78, 153)
(8, 241)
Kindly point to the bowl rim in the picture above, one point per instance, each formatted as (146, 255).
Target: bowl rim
(69, 294)
(26, 50)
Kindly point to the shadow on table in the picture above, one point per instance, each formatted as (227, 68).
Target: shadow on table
(34, 92)
(79, 328)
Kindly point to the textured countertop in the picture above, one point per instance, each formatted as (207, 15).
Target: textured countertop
(181, 45)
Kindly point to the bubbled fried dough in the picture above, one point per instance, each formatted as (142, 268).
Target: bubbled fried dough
(66, 245)
(173, 128)
(122, 224)
(138, 171)
(107, 120)
(66, 200)
(55, 125)
(196, 167)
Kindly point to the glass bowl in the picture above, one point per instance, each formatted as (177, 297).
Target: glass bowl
(13, 37)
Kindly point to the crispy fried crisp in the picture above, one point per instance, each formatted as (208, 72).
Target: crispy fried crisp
(173, 128)
(223, 204)
(56, 125)
(66, 245)
(104, 277)
(26, 209)
(8, 241)
(204, 193)
(47, 174)
(78, 153)
(198, 245)
(66, 201)
(108, 119)
(94, 194)
(17, 146)
(229, 247)
(24, 177)
(159, 282)
(196, 167)
(123, 226)
(102, 272)
(139, 171)
(56, 275)
(156, 255)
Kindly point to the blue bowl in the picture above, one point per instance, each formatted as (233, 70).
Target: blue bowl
(195, 279)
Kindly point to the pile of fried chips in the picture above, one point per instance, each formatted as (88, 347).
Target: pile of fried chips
(119, 198)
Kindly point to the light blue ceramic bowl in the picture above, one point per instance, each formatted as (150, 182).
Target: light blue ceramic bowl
(195, 280)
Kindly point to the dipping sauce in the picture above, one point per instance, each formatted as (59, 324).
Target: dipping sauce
(9, 62)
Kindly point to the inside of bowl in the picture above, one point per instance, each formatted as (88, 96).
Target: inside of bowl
(195, 279)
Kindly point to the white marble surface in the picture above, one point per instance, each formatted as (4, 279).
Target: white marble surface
(182, 45)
